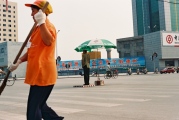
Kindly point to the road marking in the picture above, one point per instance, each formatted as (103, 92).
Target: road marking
(11, 116)
(85, 103)
(57, 109)
(74, 102)
(119, 99)
(105, 92)
(66, 110)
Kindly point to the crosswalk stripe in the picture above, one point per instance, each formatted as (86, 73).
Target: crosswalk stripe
(85, 103)
(57, 109)
(74, 102)
(118, 99)
(11, 116)
(126, 94)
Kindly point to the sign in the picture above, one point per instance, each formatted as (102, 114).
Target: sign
(101, 63)
(170, 39)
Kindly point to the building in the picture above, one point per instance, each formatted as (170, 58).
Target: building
(8, 53)
(154, 15)
(8, 22)
(156, 28)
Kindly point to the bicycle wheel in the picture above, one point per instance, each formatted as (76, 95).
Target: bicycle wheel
(106, 76)
(114, 75)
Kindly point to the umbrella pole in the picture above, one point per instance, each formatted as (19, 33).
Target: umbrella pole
(98, 81)
(97, 64)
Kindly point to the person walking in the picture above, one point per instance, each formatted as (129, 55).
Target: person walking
(41, 59)
(86, 66)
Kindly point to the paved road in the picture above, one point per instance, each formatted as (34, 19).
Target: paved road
(135, 97)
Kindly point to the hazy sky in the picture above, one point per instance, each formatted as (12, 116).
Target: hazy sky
(81, 20)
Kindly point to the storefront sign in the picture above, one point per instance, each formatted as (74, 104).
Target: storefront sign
(170, 39)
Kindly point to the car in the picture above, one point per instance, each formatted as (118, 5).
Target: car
(167, 70)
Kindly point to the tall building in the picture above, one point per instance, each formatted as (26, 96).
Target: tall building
(156, 27)
(8, 21)
(154, 15)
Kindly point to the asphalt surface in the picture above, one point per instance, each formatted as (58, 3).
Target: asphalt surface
(134, 97)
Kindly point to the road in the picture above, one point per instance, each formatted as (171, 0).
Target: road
(135, 97)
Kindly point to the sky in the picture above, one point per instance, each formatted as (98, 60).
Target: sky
(81, 20)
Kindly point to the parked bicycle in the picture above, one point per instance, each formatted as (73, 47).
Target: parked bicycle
(112, 74)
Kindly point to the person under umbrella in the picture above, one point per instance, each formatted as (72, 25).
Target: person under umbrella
(86, 66)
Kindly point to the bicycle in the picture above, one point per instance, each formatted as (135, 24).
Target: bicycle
(113, 74)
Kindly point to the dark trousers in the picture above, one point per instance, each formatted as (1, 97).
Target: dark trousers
(86, 75)
(37, 107)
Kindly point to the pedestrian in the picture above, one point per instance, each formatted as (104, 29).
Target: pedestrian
(41, 60)
(86, 66)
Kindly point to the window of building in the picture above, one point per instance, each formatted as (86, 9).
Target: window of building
(9, 11)
(9, 6)
(4, 10)
(4, 5)
(14, 25)
(1, 59)
(139, 44)
(10, 40)
(127, 54)
(14, 12)
(15, 40)
(126, 46)
(9, 25)
(14, 7)
(14, 17)
(9, 30)
(4, 20)
(169, 63)
(4, 24)
(4, 34)
(4, 39)
(14, 21)
(14, 35)
(9, 20)
(140, 53)
(9, 15)
(14, 30)
(10, 35)
(4, 15)
(4, 29)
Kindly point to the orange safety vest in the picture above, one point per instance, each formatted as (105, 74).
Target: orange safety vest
(41, 64)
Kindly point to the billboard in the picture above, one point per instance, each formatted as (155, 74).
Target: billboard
(170, 39)
(102, 63)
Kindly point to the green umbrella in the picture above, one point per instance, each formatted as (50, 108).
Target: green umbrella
(95, 44)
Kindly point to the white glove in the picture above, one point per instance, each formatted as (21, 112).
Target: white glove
(40, 17)
(12, 67)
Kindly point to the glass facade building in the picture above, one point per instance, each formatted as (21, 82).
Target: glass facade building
(152, 15)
